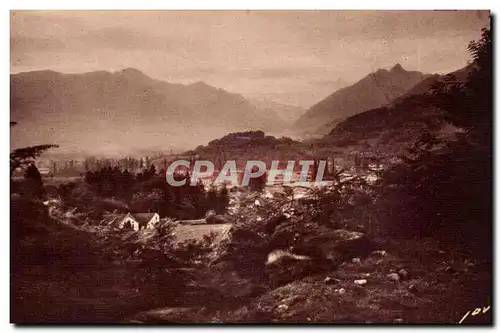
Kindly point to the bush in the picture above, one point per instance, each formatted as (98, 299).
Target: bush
(441, 192)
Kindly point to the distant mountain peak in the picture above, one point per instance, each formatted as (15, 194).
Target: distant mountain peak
(373, 91)
(398, 68)
(200, 84)
(133, 72)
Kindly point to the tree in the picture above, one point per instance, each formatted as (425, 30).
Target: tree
(212, 197)
(259, 183)
(23, 157)
(443, 188)
(469, 104)
(34, 183)
(152, 170)
(222, 200)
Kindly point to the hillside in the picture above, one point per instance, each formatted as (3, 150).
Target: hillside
(251, 145)
(393, 127)
(106, 111)
(373, 91)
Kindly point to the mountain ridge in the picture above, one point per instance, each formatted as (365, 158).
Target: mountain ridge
(392, 128)
(120, 106)
(374, 90)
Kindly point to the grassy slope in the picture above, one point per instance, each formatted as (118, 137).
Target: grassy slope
(445, 288)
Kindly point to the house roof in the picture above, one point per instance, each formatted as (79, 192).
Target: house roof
(142, 218)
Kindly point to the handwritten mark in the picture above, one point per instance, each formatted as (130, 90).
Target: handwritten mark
(475, 312)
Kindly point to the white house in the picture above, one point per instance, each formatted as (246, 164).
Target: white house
(139, 221)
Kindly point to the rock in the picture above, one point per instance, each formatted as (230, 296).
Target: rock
(393, 276)
(283, 307)
(330, 280)
(277, 255)
(268, 195)
(398, 320)
(361, 282)
(381, 253)
(356, 260)
(413, 288)
(285, 267)
(339, 245)
(349, 244)
(403, 273)
(341, 291)
(257, 202)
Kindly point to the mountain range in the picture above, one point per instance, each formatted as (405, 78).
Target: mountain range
(127, 112)
(392, 128)
(108, 112)
(374, 90)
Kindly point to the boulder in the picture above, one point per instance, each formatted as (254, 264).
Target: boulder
(338, 245)
(403, 273)
(285, 267)
(360, 282)
(393, 276)
(331, 280)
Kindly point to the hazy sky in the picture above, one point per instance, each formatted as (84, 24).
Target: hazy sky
(293, 57)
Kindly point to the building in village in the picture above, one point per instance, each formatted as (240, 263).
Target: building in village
(184, 230)
(133, 221)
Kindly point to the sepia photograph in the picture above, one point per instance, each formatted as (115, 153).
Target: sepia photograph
(251, 167)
